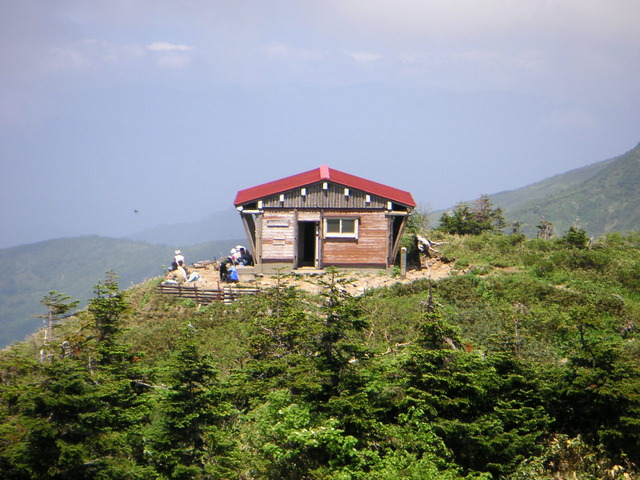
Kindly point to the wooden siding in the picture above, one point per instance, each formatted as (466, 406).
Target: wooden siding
(277, 232)
(370, 248)
(278, 235)
(318, 198)
(309, 216)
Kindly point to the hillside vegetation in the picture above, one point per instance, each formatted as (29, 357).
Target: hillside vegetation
(73, 265)
(601, 198)
(524, 363)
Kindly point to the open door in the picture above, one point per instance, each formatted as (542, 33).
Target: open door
(307, 244)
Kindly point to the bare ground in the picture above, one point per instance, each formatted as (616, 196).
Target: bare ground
(359, 282)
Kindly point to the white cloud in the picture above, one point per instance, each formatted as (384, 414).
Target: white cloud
(169, 55)
(92, 54)
(409, 20)
(363, 57)
(562, 48)
(168, 47)
(285, 52)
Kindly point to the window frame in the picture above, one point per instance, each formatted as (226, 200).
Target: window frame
(341, 233)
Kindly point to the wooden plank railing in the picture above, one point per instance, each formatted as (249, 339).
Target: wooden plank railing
(224, 293)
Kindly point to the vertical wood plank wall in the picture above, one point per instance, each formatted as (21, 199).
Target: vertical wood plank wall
(278, 236)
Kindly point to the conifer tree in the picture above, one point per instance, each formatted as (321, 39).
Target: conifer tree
(107, 307)
(74, 431)
(279, 345)
(341, 318)
(189, 442)
(344, 389)
(486, 410)
(575, 237)
(474, 219)
(597, 396)
(83, 415)
(59, 306)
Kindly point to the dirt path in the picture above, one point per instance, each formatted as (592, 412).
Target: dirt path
(360, 282)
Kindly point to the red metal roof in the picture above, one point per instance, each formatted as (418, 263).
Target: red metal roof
(323, 173)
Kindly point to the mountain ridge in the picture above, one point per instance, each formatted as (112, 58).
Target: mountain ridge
(579, 196)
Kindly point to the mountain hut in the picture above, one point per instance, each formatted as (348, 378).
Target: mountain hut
(323, 217)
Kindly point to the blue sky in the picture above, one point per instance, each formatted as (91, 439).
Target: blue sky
(171, 107)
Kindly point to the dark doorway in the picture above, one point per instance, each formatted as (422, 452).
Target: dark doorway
(307, 243)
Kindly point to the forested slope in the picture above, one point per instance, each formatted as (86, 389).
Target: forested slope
(523, 364)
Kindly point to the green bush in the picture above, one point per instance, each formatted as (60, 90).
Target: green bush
(575, 237)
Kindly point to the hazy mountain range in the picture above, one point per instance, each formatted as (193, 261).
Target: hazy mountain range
(602, 197)
(225, 224)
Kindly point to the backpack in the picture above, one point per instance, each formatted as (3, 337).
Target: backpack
(233, 275)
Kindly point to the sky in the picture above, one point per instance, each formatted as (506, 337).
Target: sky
(168, 108)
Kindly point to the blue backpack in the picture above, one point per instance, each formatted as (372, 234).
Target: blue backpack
(233, 275)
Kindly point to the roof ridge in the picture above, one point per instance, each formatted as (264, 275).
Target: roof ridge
(325, 172)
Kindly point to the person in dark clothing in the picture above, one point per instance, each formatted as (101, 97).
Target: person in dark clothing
(224, 271)
(245, 257)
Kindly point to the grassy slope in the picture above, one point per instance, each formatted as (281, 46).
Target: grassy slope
(493, 276)
(602, 198)
(72, 266)
(516, 199)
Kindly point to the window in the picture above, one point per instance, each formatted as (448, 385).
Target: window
(341, 227)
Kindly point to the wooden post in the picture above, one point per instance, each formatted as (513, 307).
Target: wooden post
(403, 262)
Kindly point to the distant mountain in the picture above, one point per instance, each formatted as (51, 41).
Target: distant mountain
(603, 197)
(223, 224)
(73, 266)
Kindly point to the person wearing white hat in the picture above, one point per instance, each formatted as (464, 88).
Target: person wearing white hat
(178, 260)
